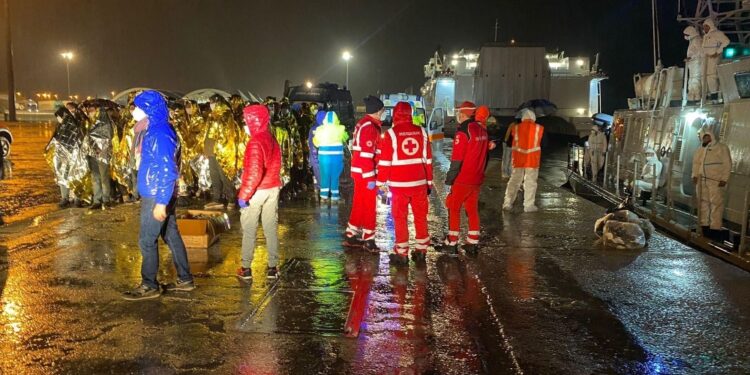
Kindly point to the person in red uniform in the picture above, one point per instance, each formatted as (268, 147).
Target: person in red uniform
(364, 203)
(465, 176)
(405, 169)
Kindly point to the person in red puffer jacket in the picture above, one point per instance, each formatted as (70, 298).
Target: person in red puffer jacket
(405, 168)
(258, 196)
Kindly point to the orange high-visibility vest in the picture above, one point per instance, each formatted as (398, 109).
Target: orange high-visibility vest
(527, 141)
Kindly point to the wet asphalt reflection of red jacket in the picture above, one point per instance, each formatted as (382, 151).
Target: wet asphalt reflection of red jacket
(262, 165)
(405, 153)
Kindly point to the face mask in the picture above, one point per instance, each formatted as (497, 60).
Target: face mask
(138, 114)
(59, 119)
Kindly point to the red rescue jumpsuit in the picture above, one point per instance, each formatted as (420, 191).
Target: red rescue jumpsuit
(364, 159)
(405, 165)
(470, 147)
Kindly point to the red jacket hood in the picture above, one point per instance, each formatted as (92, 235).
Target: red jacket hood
(256, 118)
(402, 114)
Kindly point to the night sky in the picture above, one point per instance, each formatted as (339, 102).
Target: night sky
(255, 45)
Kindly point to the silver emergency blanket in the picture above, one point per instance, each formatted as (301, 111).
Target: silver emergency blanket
(199, 164)
(69, 164)
(624, 230)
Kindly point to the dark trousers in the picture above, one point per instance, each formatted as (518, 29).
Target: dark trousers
(220, 183)
(151, 230)
(100, 180)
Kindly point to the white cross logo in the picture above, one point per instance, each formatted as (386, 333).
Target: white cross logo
(409, 146)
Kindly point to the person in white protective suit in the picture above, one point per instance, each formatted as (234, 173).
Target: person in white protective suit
(712, 165)
(650, 172)
(597, 150)
(714, 42)
(694, 63)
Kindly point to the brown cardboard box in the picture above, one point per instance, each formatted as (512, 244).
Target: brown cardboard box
(200, 233)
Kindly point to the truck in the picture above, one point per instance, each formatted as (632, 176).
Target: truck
(327, 95)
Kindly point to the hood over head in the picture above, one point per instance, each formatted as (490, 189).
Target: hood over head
(690, 32)
(528, 114)
(711, 24)
(402, 114)
(482, 114)
(331, 118)
(707, 130)
(63, 112)
(256, 118)
(153, 104)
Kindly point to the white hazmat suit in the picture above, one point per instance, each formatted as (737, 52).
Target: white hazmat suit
(694, 63)
(714, 42)
(650, 172)
(597, 150)
(712, 165)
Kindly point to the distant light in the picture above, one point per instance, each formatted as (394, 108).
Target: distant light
(346, 56)
(113, 93)
(18, 93)
(308, 84)
(580, 111)
(512, 41)
(690, 117)
(455, 56)
(554, 65)
(454, 62)
(67, 55)
(579, 62)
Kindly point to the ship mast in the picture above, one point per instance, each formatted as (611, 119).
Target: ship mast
(731, 16)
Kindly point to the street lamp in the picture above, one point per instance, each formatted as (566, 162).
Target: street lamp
(347, 56)
(308, 84)
(67, 56)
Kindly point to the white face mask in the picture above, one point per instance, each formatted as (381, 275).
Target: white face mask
(138, 114)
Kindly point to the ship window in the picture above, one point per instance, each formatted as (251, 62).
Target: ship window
(743, 84)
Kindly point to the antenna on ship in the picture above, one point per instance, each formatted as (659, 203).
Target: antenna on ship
(497, 28)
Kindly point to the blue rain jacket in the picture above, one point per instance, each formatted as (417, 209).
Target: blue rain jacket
(160, 151)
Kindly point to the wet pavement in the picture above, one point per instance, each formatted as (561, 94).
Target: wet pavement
(541, 297)
(25, 188)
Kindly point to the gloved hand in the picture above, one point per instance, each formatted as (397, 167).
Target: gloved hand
(371, 185)
(241, 203)
(429, 190)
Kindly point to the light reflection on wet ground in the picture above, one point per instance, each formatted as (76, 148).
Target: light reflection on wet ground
(540, 297)
(27, 189)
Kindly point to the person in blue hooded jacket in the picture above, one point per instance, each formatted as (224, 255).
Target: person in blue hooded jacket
(157, 185)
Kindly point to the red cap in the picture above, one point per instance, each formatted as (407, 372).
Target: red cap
(467, 108)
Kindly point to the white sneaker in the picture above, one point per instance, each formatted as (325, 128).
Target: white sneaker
(507, 207)
(531, 209)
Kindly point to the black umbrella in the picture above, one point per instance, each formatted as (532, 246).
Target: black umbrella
(541, 107)
(100, 103)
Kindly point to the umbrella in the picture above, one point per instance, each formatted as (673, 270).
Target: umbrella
(100, 103)
(541, 107)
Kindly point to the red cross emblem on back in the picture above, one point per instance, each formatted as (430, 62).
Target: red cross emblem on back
(409, 146)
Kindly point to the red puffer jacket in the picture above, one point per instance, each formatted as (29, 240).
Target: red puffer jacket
(262, 166)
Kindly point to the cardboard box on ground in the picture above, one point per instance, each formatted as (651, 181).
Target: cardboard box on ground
(199, 230)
